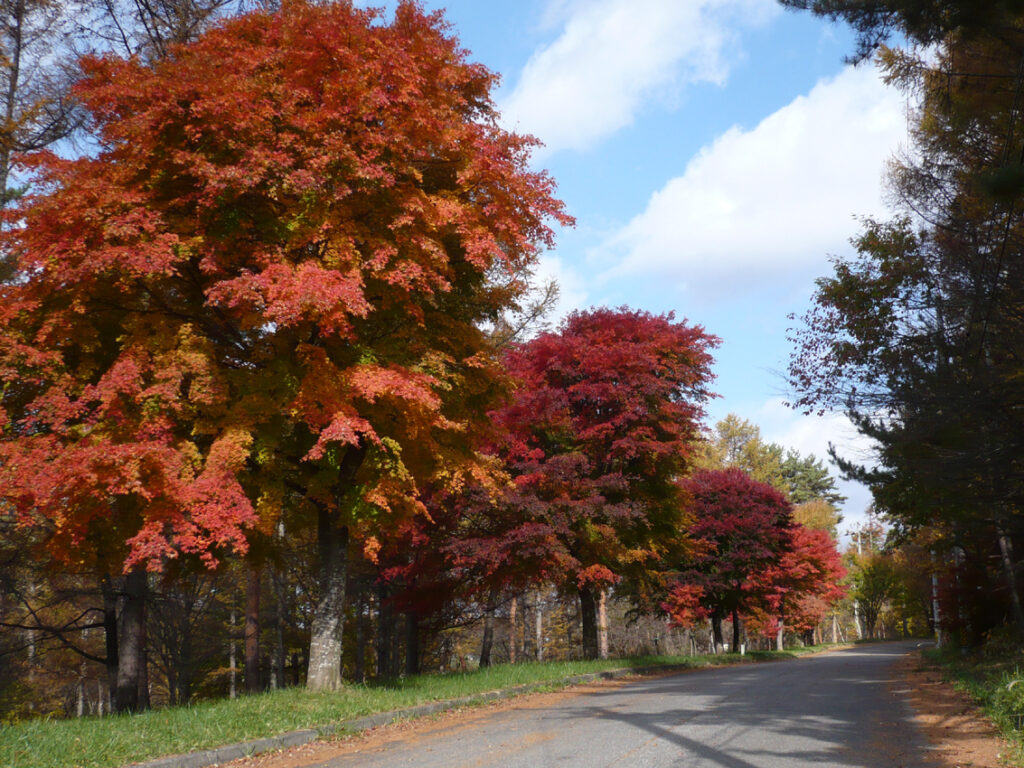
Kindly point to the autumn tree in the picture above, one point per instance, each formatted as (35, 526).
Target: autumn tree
(601, 426)
(804, 584)
(265, 294)
(736, 442)
(741, 530)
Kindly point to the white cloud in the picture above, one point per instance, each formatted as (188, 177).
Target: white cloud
(777, 197)
(613, 55)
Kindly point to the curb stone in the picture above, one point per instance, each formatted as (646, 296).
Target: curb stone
(212, 757)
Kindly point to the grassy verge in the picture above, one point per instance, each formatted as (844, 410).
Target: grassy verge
(995, 679)
(116, 741)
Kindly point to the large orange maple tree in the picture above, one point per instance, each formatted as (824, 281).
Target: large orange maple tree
(264, 293)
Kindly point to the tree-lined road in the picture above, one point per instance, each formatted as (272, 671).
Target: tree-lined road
(835, 710)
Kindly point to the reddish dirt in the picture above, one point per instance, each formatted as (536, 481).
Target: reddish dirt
(960, 734)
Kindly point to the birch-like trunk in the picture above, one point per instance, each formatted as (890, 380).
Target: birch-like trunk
(602, 623)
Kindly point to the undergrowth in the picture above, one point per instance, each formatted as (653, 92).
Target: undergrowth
(994, 677)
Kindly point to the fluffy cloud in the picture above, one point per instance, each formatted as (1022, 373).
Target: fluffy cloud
(613, 55)
(774, 198)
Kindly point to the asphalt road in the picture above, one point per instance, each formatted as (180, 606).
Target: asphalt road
(834, 710)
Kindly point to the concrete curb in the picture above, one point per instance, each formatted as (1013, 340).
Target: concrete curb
(211, 757)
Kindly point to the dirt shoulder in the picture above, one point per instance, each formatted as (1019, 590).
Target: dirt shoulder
(960, 734)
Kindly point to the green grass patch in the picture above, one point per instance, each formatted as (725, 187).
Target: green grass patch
(994, 678)
(110, 742)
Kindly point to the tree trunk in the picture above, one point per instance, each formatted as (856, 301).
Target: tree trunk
(488, 638)
(131, 646)
(252, 631)
(716, 630)
(538, 628)
(383, 632)
(359, 671)
(588, 616)
(735, 631)
(278, 679)
(233, 660)
(1010, 572)
(512, 637)
(143, 704)
(412, 643)
(328, 616)
(110, 629)
(602, 623)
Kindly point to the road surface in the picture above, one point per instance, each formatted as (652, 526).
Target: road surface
(834, 710)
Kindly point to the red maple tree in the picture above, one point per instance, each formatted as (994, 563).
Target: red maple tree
(801, 588)
(742, 530)
(264, 294)
(601, 426)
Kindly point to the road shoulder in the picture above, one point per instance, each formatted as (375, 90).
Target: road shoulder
(958, 730)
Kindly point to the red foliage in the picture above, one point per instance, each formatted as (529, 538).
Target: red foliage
(277, 264)
(743, 530)
(602, 424)
(803, 586)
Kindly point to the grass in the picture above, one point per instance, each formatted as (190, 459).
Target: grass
(994, 678)
(110, 742)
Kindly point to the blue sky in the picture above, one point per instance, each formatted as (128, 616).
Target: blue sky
(714, 154)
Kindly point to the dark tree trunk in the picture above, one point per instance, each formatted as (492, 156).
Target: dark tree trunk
(588, 617)
(488, 639)
(735, 631)
(384, 628)
(144, 669)
(328, 617)
(412, 643)
(110, 629)
(359, 668)
(279, 650)
(252, 631)
(132, 642)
